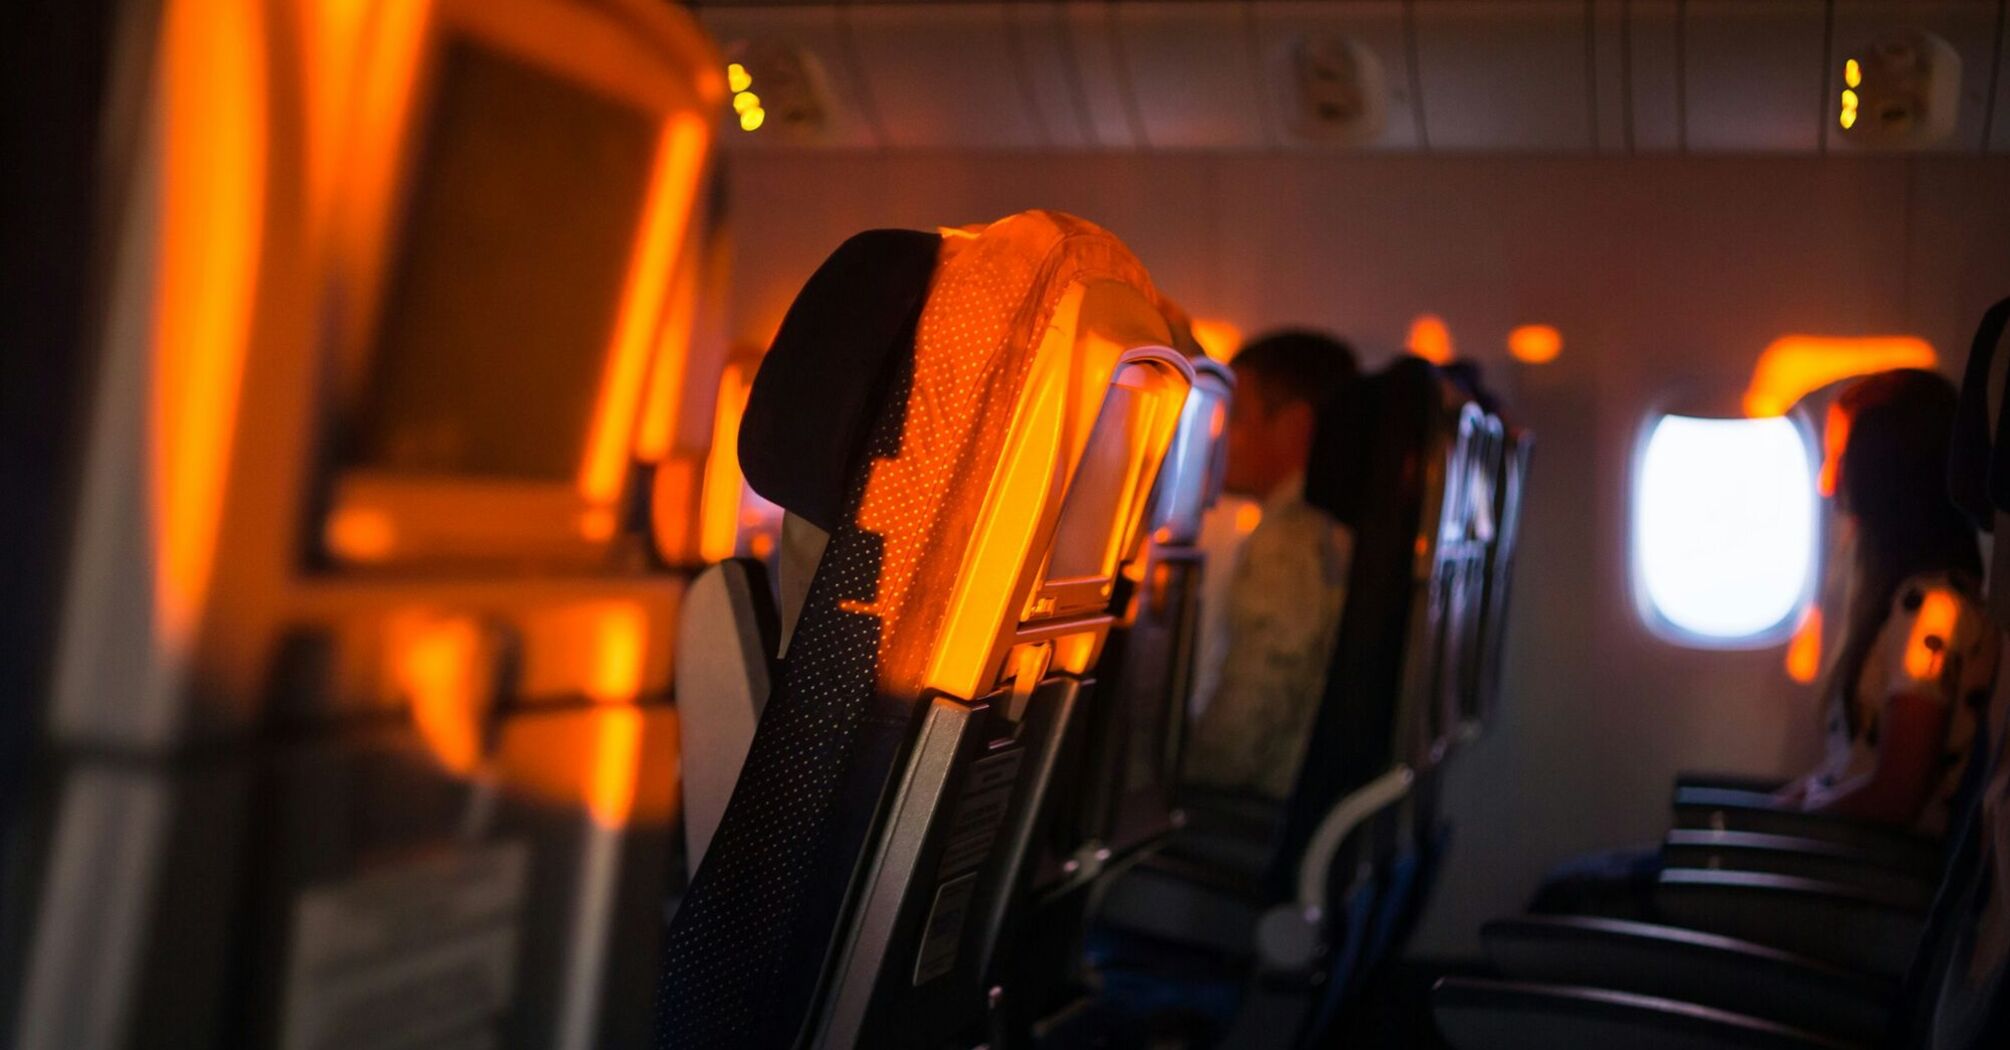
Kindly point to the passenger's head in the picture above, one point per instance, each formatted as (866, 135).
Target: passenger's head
(1281, 380)
(1889, 474)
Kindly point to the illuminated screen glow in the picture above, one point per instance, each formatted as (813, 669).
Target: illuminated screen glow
(1724, 526)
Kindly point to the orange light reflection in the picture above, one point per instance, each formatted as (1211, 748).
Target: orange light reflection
(618, 650)
(679, 157)
(1932, 634)
(1795, 365)
(719, 501)
(617, 757)
(1835, 438)
(360, 534)
(213, 193)
(1804, 653)
(436, 669)
(1219, 338)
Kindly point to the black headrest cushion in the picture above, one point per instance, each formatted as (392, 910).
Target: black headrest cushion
(820, 386)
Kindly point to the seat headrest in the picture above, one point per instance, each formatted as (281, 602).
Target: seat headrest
(820, 386)
(1381, 414)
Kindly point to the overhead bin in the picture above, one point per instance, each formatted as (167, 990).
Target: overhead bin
(1192, 75)
(1751, 75)
(945, 77)
(1504, 76)
(1483, 76)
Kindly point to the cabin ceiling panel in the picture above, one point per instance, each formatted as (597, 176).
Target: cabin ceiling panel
(945, 77)
(1498, 76)
(1752, 75)
(1192, 75)
(1501, 76)
(1654, 75)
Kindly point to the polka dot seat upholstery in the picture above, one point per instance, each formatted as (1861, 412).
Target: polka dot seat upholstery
(752, 939)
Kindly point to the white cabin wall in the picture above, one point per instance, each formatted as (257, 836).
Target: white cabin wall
(1656, 270)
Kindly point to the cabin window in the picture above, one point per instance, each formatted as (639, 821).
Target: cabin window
(1723, 529)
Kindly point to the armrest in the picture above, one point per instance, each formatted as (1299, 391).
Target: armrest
(1730, 782)
(1719, 809)
(1293, 935)
(1694, 967)
(1875, 868)
(1848, 926)
(1505, 1015)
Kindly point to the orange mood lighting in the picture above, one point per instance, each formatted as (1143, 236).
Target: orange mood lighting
(719, 500)
(618, 651)
(1804, 653)
(1835, 438)
(655, 430)
(1535, 344)
(213, 195)
(361, 534)
(1430, 339)
(1932, 634)
(617, 758)
(680, 155)
(1219, 338)
(1796, 365)
(437, 668)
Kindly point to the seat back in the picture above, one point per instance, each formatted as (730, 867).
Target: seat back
(1384, 462)
(1132, 740)
(1409, 460)
(975, 419)
(360, 733)
(1517, 447)
(1957, 993)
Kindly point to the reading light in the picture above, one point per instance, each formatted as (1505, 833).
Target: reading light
(1852, 73)
(738, 79)
(752, 119)
(745, 101)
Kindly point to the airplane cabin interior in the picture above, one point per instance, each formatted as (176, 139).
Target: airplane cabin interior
(1042, 525)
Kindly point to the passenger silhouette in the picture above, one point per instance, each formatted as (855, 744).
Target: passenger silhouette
(1905, 699)
(1266, 644)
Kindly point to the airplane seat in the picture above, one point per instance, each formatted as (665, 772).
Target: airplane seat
(1113, 793)
(974, 419)
(1341, 881)
(1867, 969)
(359, 733)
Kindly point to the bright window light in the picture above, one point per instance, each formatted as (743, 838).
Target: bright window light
(1723, 528)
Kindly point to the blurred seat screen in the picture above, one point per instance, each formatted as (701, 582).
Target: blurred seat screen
(517, 234)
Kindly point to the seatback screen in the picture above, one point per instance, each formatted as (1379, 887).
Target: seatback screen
(512, 257)
(1098, 494)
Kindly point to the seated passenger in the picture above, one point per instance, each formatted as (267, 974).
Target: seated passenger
(1906, 697)
(1264, 652)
